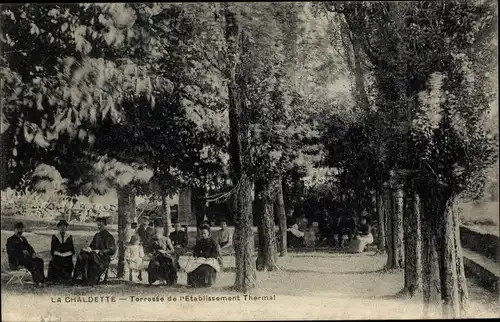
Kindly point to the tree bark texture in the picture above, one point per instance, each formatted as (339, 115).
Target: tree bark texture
(239, 152)
(167, 214)
(243, 237)
(431, 287)
(266, 256)
(451, 272)
(280, 205)
(126, 211)
(395, 251)
(381, 211)
(412, 241)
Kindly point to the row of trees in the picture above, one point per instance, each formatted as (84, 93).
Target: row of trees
(425, 133)
(149, 98)
(247, 98)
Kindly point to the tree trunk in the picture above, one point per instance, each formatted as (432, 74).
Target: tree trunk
(266, 257)
(126, 210)
(412, 241)
(395, 251)
(280, 204)
(431, 287)
(167, 214)
(353, 33)
(235, 75)
(243, 237)
(453, 283)
(463, 292)
(381, 211)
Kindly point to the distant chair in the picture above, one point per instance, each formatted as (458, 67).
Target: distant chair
(18, 276)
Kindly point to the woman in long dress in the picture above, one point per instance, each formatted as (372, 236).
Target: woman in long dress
(163, 265)
(62, 250)
(202, 271)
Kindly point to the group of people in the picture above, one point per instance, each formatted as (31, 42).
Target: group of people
(149, 239)
(90, 264)
(358, 232)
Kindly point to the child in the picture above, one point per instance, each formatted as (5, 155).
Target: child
(134, 254)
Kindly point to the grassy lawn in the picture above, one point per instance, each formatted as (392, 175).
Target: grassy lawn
(320, 285)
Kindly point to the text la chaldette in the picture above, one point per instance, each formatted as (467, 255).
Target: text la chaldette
(83, 299)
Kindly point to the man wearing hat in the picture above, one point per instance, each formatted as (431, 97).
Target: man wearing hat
(62, 250)
(94, 259)
(21, 253)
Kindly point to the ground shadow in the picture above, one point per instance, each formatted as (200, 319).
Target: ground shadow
(325, 254)
(288, 270)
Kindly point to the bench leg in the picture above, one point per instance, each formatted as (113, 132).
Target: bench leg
(10, 280)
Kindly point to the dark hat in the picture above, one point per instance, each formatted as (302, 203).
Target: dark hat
(18, 225)
(62, 222)
(103, 219)
(205, 226)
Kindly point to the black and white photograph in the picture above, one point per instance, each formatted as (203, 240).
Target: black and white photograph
(246, 161)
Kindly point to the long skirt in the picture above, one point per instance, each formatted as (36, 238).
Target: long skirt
(162, 267)
(203, 276)
(60, 269)
(89, 267)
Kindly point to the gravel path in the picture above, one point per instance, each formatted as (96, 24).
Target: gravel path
(317, 285)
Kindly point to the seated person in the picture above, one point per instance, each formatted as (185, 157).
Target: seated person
(94, 260)
(62, 251)
(310, 236)
(224, 235)
(295, 236)
(179, 237)
(202, 271)
(363, 236)
(148, 238)
(134, 254)
(21, 253)
(164, 264)
(224, 238)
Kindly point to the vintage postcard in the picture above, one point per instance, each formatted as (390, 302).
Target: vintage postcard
(241, 161)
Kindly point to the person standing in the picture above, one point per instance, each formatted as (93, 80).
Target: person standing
(134, 255)
(21, 253)
(62, 250)
(141, 230)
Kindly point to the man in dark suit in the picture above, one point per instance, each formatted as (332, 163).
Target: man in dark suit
(21, 253)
